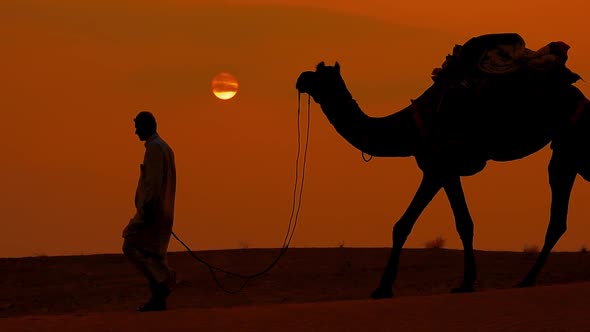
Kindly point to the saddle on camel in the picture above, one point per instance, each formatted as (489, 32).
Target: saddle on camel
(462, 115)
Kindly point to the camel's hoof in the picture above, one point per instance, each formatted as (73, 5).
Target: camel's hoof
(382, 293)
(524, 284)
(463, 289)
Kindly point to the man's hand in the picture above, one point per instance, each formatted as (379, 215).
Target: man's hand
(146, 214)
(132, 227)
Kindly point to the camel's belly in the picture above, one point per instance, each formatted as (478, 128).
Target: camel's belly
(520, 146)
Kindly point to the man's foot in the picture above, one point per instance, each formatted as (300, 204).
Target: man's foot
(153, 305)
(163, 289)
(382, 293)
(171, 282)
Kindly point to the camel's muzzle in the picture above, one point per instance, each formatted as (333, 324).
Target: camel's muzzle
(303, 82)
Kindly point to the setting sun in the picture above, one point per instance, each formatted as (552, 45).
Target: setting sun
(224, 86)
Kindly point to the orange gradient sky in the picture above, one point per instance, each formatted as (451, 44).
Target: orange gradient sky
(75, 73)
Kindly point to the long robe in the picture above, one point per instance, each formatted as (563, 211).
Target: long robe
(151, 227)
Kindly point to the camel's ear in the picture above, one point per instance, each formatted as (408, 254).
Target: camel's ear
(320, 65)
(337, 66)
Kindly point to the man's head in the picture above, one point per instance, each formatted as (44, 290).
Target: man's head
(145, 125)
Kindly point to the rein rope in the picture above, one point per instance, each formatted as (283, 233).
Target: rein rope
(293, 219)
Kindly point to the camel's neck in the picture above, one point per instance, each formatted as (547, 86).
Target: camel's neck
(394, 135)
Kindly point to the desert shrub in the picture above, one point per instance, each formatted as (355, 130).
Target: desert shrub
(530, 249)
(584, 250)
(437, 243)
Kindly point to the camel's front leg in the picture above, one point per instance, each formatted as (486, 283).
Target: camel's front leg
(561, 179)
(464, 225)
(429, 186)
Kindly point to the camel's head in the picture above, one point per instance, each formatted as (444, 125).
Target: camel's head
(323, 84)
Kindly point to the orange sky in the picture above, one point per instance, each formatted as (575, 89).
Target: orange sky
(74, 75)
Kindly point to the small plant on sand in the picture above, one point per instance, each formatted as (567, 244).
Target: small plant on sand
(437, 243)
(346, 267)
(530, 249)
(584, 250)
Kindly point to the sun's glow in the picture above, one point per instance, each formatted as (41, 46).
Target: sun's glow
(225, 95)
(224, 86)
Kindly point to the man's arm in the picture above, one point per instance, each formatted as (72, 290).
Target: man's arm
(153, 168)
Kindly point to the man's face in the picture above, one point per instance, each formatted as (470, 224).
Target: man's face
(142, 132)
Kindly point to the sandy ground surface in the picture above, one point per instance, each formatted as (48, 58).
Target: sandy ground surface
(309, 290)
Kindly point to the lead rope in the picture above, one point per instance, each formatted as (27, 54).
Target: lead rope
(293, 219)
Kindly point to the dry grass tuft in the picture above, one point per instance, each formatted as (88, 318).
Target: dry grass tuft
(530, 249)
(437, 243)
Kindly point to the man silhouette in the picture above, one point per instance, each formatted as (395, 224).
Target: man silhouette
(148, 233)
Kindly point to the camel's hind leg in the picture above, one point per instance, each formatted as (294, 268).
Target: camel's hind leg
(464, 225)
(562, 174)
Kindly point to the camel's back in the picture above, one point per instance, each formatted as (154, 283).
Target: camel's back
(503, 122)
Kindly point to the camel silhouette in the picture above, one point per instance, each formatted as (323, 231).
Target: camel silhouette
(470, 115)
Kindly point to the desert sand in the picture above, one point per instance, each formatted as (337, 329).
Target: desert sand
(311, 289)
